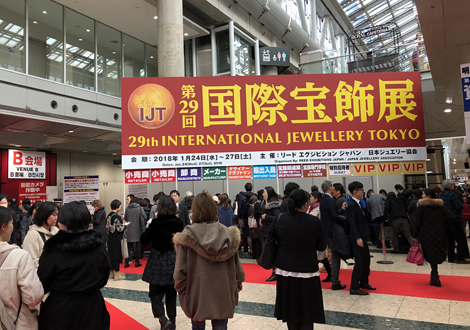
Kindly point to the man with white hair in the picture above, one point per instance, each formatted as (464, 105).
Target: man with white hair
(454, 230)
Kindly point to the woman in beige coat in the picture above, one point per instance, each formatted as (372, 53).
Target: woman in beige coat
(44, 227)
(19, 281)
(208, 273)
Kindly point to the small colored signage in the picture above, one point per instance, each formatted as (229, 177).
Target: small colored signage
(389, 168)
(274, 56)
(339, 169)
(314, 170)
(163, 175)
(239, 172)
(289, 171)
(365, 169)
(81, 188)
(26, 164)
(264, 172)
(214, 173)
(189, 174)
(465, 77)
(137, 176)
(414, 168)
(34, 190)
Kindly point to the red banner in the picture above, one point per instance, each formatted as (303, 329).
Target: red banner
(34, 190)
(166, 175)
(137, 176)
(204, 121)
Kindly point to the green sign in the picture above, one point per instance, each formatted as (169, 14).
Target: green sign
(214, 173)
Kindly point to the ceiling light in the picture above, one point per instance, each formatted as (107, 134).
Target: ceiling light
(114, 52)
(85, 151)
(18, 145)
(155, 17)
(151, 56)
(455, 163)
(44, 12)
(455, 160)
(80, 39)
(448, 100)
(186, 34)
(428, 160)
(114, 154)
(35, 22)
(70, 131)
(448, 110)
(428, 171)
(87, 30)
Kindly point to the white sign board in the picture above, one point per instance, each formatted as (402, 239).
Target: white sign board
(138, 190)
(81, 188)
(339, 169)
(26, 164)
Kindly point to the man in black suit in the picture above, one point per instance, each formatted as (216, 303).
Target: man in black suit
(329, 214)
(359, 235)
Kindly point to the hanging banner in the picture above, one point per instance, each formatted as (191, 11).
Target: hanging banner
(465, 78)
(189, 174)
(26, 164)
(365, 169)
(81, 188)
(232, 121)
(214, 173)
(137, 176)
(239, 173)
(264, 172)
(35, 190)
(138, 190)
(314, 170)
(289, 171)
(339, 169)
(389, 168)
(166, 175)
(414, 168)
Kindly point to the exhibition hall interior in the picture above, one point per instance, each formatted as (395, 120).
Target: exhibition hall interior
(104, 99)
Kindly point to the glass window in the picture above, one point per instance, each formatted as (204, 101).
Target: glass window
(188, 58)
(80, 50)
(152, 61)
(203, 56)
(243, 57)
(223, 51)
(12, 25)
(134, 57)
(46, 42)
(109, 60)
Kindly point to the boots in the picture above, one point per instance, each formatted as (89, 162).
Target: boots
(173, 321)
(272, 277)
(165, 324)
(111, 274)
(435, 281)
(118, 276)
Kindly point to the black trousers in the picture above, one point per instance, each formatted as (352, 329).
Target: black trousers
(245, 232)
(115, 265)
(455, 233)
(156, 294)
(434, 270)
(361, 269)
(299, 326)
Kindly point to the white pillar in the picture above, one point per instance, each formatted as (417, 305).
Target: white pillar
(303, 18)
(170, 41)
(323, 31)
(313, 20)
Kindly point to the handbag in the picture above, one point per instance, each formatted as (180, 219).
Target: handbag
(252, 222)
(268, 256)
(415, 255)
(124, 250)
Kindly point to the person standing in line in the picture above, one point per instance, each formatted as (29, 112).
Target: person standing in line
(359, 236)
(329, 215)
(73, 268)
(20, 288)
(161, 264)
(25, 219)
(299, 300)
(99, 219)
(225, 211)
(44, 227)
(115, 229)
(396, 213)
(208, 272)
(375, 205)
(428, 225)
(182, 212)
(339, 196)
(242, 214)
(135, 217)
(256, 238)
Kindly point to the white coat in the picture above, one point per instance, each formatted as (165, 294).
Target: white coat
(33, 242)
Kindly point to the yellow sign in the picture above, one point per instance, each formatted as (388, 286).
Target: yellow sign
(365, 169)
(414, 167)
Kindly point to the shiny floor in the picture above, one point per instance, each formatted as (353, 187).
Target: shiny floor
(343, 311)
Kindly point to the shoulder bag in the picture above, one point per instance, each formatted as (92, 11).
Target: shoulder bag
(268, 256)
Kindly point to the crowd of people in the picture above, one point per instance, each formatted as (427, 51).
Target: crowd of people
(59, 257)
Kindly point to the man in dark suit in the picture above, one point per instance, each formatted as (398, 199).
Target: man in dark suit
(329, 214)
(359, 235)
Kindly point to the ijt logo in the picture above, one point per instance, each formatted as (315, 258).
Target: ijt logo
(151, 118)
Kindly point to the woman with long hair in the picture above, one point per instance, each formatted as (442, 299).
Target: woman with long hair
(20, 288)
(161, 263)
(428, 226)
(44, 227)
(115, 229)
(225, 211)
(299, 300)
(271, 206)
(208, 272)
(73, 268)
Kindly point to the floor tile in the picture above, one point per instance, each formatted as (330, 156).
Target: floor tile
(378, 305)
(422, 309)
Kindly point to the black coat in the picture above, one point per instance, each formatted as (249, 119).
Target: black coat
(413, 206)
(99, 222)
(184, 214)
(271, 211)
(394, 208)
(329, 214)
(428, 224)
(73, 268)
(115, 235)
(358, 223)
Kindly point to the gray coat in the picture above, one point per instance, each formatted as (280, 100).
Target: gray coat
(375, 205)
(138, 219)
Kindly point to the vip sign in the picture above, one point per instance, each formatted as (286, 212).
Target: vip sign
(389, 168)
(414, 168)
(365, 169)
(26, 164)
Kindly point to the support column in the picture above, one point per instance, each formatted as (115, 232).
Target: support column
(269, 70)
(313, 20)
(170, 41)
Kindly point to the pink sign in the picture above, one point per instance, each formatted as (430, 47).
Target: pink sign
(137, 176)
(289, 171)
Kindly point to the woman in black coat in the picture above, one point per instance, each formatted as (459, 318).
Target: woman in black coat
(161, 263)
(73, 267)
(428, 225)
(116, 227)
(99, 219)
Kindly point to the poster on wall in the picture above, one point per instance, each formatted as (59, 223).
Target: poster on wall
(81, 188)
(264, 120)
(35, 190)
(26, 164)
(138, 190)
(314, 170)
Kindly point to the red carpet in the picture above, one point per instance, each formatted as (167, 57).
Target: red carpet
(132, 270)
(399, 284)
(122, 321)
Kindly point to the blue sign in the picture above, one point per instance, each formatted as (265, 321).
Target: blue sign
(189, 174)
(265, 172)
(465, 76)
